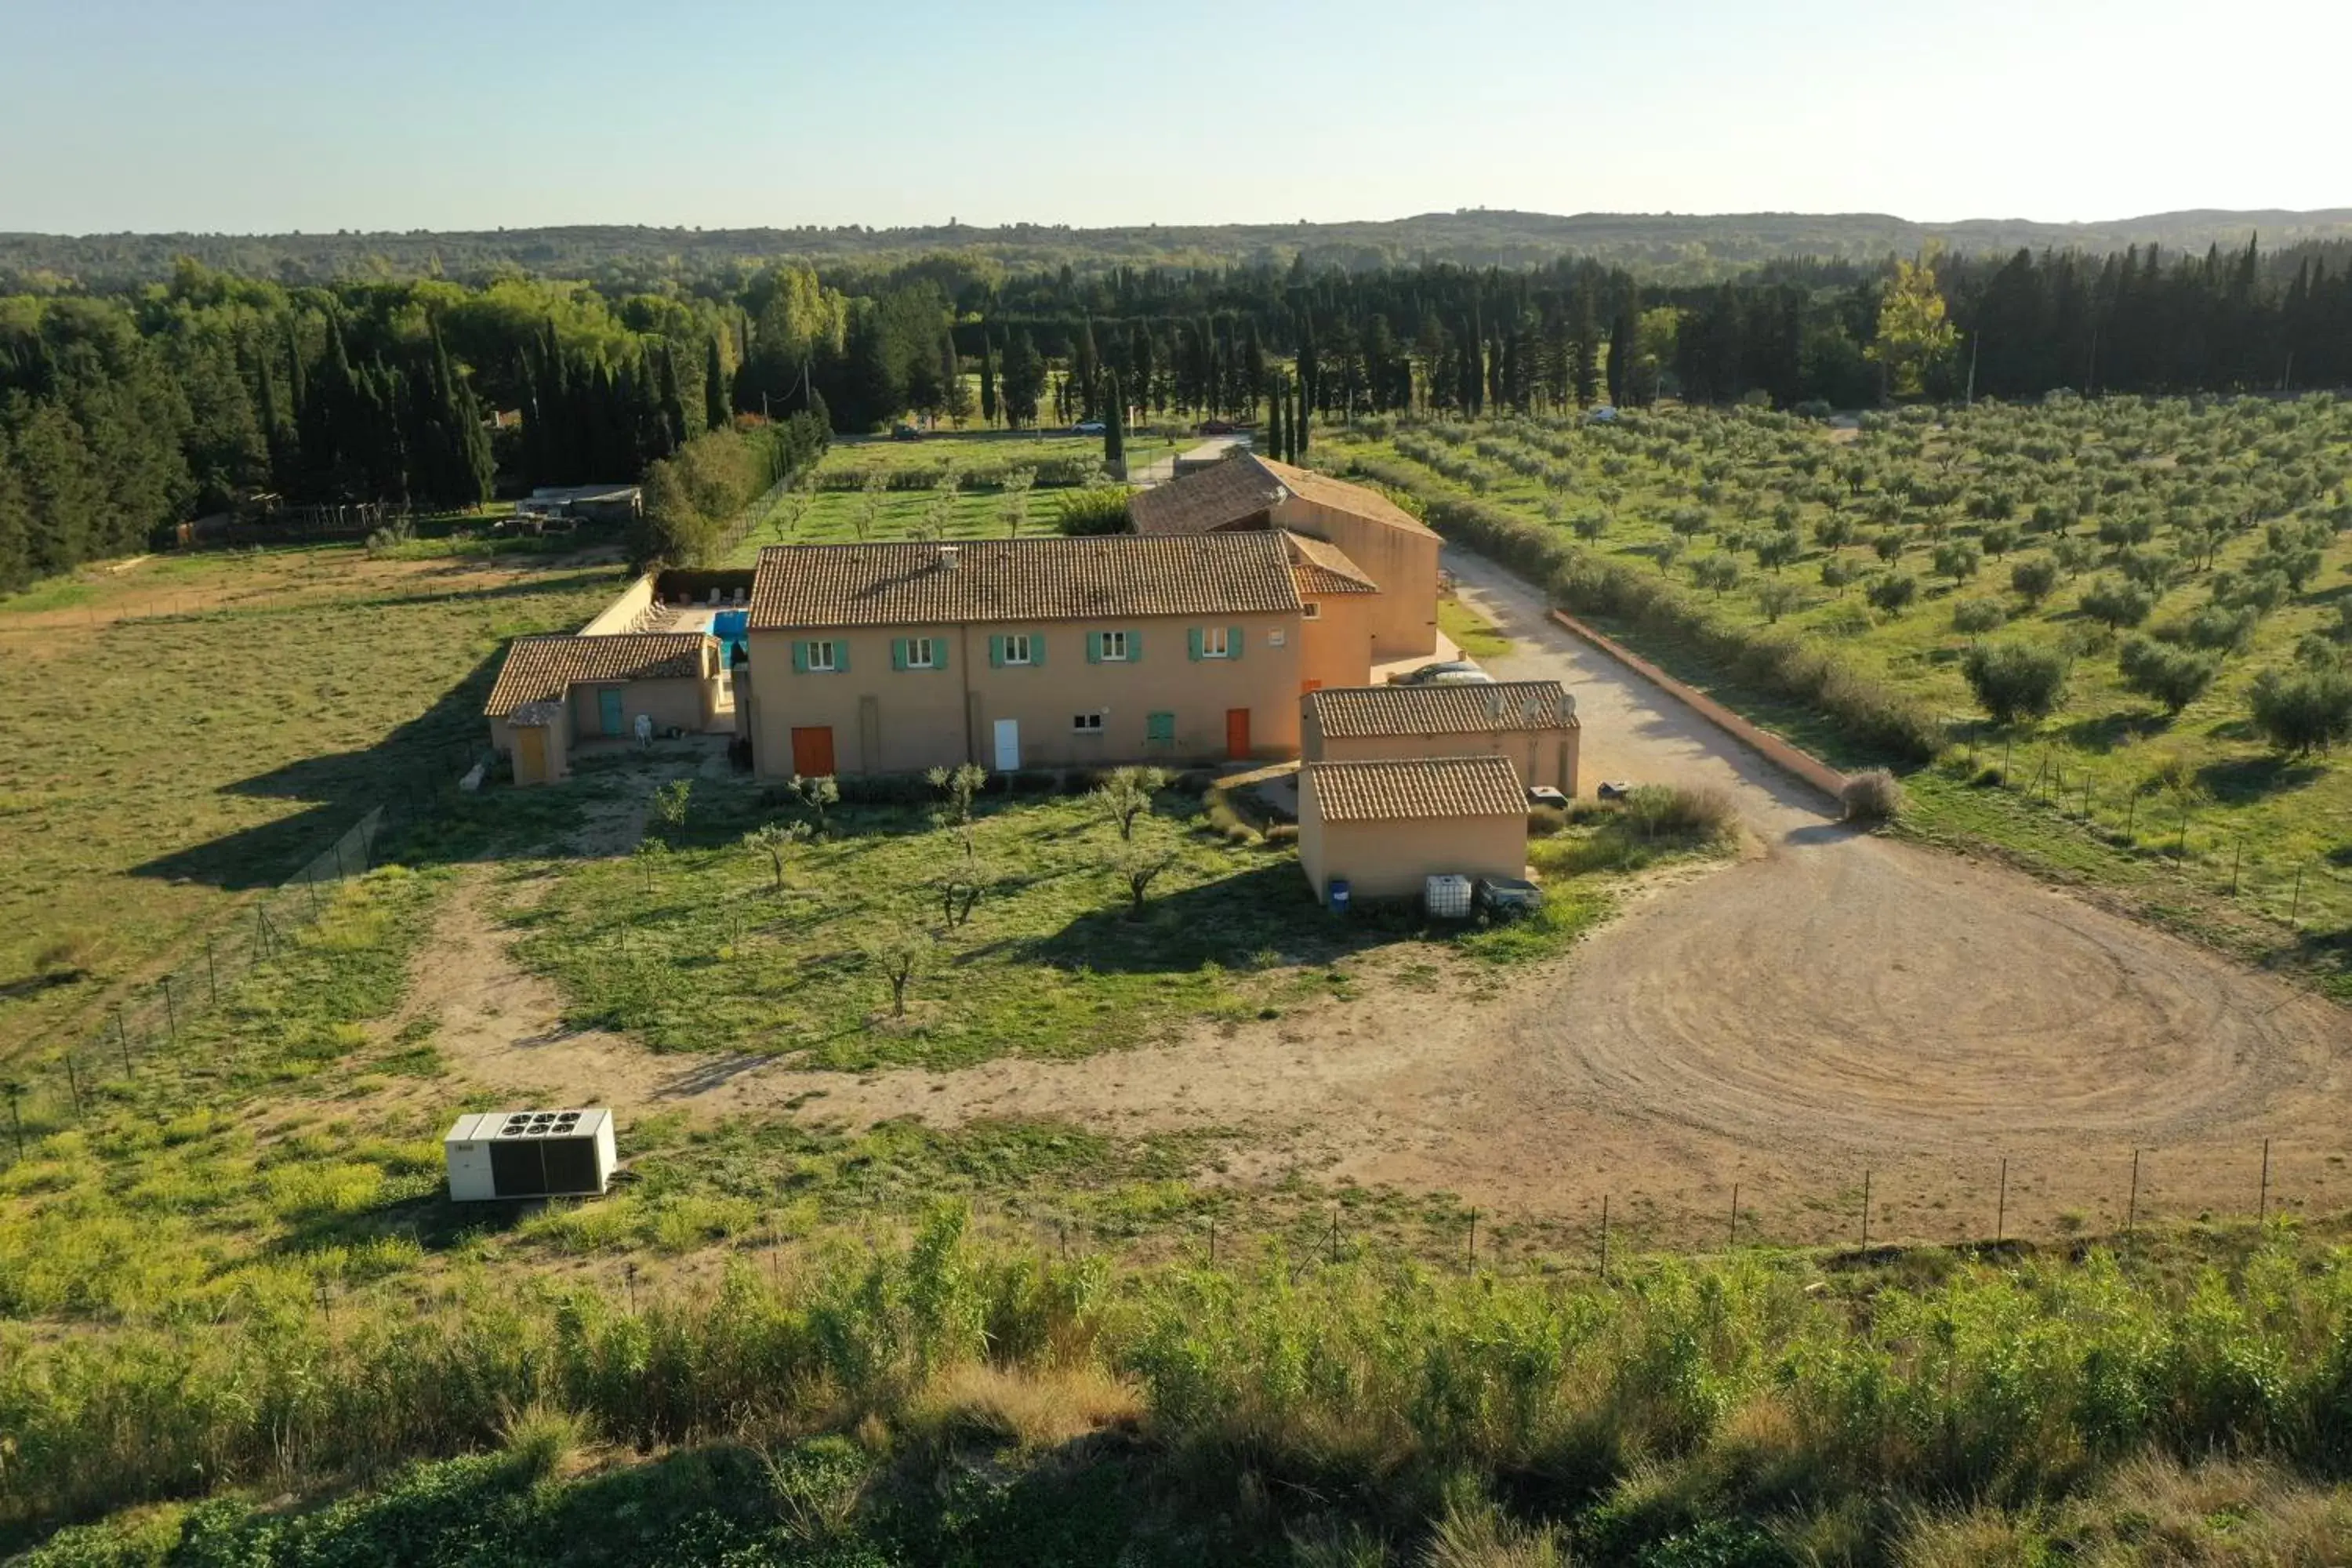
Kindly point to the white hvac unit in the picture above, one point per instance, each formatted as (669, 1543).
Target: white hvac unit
(1446, 898)
(529, 1155)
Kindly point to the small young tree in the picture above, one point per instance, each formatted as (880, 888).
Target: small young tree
(1888, 545)
(1833, 531)
(2175, 677)
(1891, 593)
(1978, 617)
(2303, 711)
(961, 886)
(1590, 524)
(870, 501)
(2015, 679)
(2074, 556)
(2117, 603)
(1776, 549)
(2033, 580)
(1012, 503)
(652, 854)
(957, 786)
(1127, 795)
(1138, 863)
(1719, 572)
(816, 795)
(775, 839)
(1958, 559)
(670, 804)
(898, 953)
(1776, 597)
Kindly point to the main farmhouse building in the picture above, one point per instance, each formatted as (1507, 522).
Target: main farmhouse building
(1190, 640)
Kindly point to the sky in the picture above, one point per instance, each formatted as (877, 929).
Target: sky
(264, 116)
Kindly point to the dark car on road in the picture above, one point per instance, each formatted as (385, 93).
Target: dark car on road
(1446, 672)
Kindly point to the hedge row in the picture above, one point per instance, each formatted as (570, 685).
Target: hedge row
(1871, 716)
(1052, 473)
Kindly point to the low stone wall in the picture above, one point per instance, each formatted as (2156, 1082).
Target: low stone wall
(626, 613)
(1791, 760)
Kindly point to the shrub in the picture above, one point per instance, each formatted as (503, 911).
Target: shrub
(2303, 711)
(2176, 677)
(1679, 811)
(1976, 617)
(1838, 573)
(1892, 593)
(1777, 598)
(1719, 572)
(1102, 509)
(1958, 559)
(2117, 603)
(1872, 794)
(2016, 680)
(2033, 580)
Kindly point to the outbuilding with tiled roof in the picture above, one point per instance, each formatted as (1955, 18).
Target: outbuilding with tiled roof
(554, 691)
(1383, 826)
(1532, 723)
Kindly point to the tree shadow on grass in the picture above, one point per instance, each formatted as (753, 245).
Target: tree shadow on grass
(2109, 731)
(1232, 922)
(2239, 780)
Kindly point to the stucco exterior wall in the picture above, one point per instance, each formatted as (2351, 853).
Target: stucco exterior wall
(893, 720)
(1403, 561)
(1391, 859)
(621, 615)
(557, 743)
(1337, 642)
(686, 705)
(1540, 756)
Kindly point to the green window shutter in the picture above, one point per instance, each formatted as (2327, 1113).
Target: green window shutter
(1159, 727)
(939, 653)
(800, 657)
(1135, 648)
(1094, 648)
(1037, 648)
(1233, 642)
(898, 653)
(995, 652)
(841, 656)
(1193, 644)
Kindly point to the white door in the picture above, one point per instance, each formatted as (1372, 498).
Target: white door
(1008, 745)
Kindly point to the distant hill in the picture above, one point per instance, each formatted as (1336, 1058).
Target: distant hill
(1671, 246)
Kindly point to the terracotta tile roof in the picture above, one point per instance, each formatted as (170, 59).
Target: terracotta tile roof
(1322, 568)
(1231, 494)
(1352, 713)
(1340, 495)
(903, 582)
(1403, 788)
(540, 669)
(1222, 495)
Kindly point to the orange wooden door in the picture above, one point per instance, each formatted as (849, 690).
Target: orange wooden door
(1237, 745)
(812, 751)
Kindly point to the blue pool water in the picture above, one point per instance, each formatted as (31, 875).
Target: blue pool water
(732, 627)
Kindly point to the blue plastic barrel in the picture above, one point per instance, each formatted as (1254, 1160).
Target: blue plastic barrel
(1339, 890)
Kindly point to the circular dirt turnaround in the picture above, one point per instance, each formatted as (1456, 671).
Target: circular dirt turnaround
(1792, 1001)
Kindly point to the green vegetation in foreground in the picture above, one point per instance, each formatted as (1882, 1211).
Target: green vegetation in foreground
(693, 948)
(1471, 632)
(153, 769)
(2003, 519)
(941, 1398)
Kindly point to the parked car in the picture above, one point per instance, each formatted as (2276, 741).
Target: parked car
(1508, 895)
(1613, 789)
(1544, 794)
(1088, 427)
(904, 433)
(1216, 427)
(1446, 672)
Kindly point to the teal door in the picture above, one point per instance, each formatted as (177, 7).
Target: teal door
(608, 710)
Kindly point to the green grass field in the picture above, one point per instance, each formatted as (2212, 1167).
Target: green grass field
(2238, 510)
(158, 768)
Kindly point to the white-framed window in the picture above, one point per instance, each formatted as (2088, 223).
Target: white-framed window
(1114, 647)
(1310, 611)
(824, 656)
(1217, 642)
(921, 654)
(1017, 647)
(1087, 724)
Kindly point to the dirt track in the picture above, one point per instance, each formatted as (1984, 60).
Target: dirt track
(1833, 1003)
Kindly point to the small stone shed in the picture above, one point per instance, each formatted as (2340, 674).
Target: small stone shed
(1532, 723)
(1384, 825)
(554, 692)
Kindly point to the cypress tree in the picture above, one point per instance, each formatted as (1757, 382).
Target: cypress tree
(1114, 422)
(987, 378)
(1274, 394)
(1298, 427)
(714, 387)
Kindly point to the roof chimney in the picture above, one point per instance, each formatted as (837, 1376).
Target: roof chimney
(949, 555)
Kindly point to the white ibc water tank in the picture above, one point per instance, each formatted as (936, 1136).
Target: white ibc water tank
(1446, 898)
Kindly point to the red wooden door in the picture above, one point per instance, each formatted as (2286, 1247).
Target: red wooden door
(1237, 745)
(812, 751)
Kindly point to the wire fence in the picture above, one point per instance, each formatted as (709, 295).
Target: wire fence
(2223, 858)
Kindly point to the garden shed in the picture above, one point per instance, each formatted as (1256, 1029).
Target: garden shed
(1383, 826)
